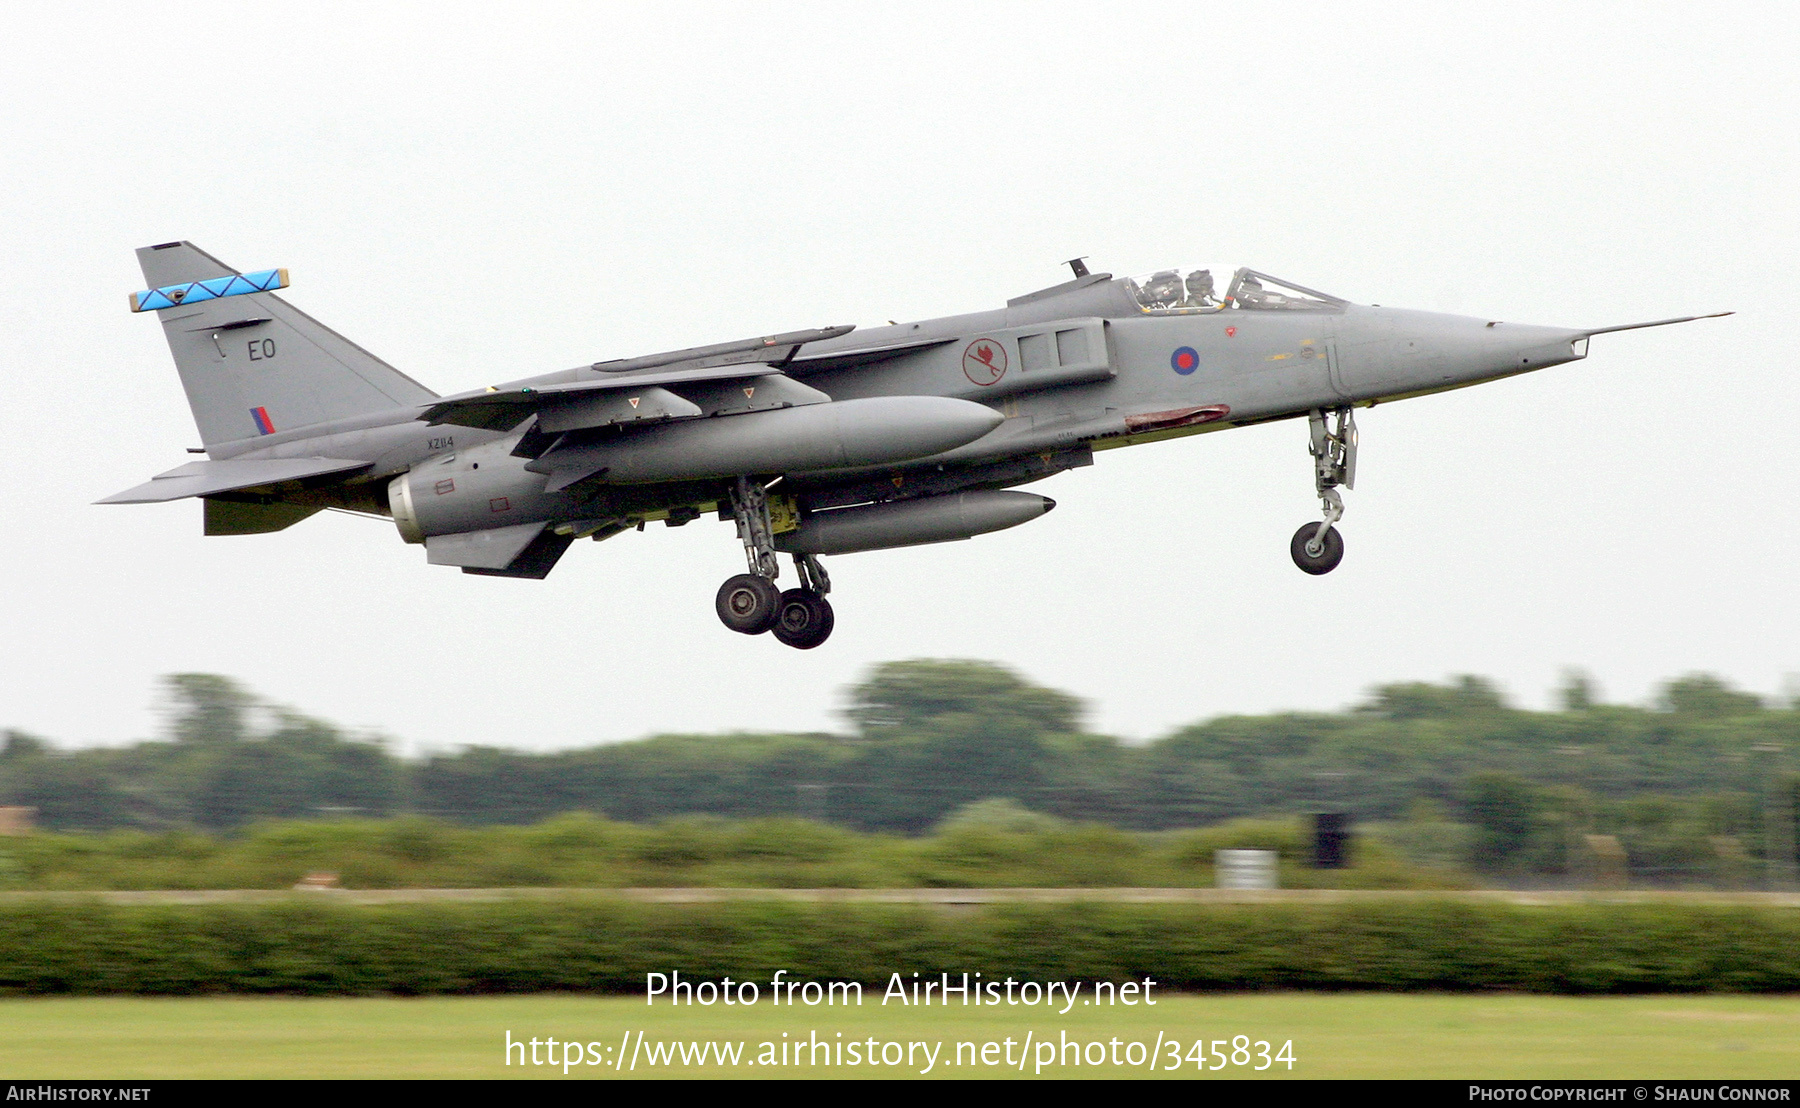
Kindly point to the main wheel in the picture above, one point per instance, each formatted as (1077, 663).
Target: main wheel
(1326, 559)
(805, 620)
(749, 603)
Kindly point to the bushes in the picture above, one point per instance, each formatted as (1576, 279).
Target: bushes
(996, 843)
(599, 944)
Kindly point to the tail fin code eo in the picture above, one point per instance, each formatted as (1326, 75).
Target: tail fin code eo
(252, 363)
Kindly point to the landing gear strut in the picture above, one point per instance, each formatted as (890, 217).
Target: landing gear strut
(1318, 547)
(751, 602)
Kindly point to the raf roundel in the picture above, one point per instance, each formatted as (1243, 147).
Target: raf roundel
(1185, 360)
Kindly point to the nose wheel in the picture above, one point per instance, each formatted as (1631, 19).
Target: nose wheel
(1316, 554)
(752, 603)
(1318, 547)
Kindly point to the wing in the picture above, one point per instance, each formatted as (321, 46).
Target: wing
(868, 355)
(606, 400)
(633, 390)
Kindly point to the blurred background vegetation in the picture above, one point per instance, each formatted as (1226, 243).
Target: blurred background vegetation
(952, 773)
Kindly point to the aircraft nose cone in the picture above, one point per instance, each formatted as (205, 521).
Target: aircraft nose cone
(1517, 347)
(1394, 352)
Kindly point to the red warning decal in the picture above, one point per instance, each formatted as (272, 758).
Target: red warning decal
(984, 361)
(1230, 332)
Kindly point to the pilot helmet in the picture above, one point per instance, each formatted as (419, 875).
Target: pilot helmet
(1164, 286)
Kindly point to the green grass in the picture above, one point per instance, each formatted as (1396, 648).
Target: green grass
(1334, 1036)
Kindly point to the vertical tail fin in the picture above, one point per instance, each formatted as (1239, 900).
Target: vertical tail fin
(254, 364)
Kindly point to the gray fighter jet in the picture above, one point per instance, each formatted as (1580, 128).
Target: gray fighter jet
(813, 442)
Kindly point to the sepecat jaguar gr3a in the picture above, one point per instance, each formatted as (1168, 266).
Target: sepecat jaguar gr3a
(813, 443)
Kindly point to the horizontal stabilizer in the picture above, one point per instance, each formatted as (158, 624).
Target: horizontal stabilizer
(210, 477)
(491, 549)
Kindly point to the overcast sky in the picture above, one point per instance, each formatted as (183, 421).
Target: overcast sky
(481, 192)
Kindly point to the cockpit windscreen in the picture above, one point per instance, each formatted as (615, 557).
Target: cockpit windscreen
(1220, 288)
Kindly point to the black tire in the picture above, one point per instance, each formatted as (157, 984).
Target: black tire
(805, 619)
(1327, 559)
(748, 604)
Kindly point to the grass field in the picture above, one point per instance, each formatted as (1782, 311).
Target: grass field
(1334, 1036)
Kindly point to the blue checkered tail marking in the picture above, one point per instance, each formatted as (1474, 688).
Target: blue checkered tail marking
(193, 292)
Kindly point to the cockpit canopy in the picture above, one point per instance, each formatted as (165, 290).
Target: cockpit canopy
(1224, 288)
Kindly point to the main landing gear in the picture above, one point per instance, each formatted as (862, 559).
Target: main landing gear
(1319, 547)
(805, 619)
(752, 603)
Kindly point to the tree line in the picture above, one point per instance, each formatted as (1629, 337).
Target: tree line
(1707, 762)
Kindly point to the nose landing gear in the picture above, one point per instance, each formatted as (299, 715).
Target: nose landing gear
(752, 603)
(1317, 555)
(1318, 547)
